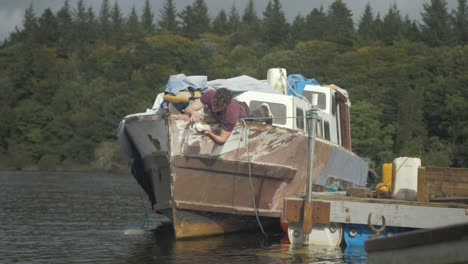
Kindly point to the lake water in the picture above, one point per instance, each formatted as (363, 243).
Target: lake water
(52, 217)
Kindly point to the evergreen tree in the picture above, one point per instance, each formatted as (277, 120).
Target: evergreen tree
(435, 23)
(187, 25)
(410, 30)
(201, 18)
(340, 27)
(48, 28)
(392, 25)
(66, 38)
(132, 25)
(91, 24)
(275, 25)
(104, 20)
(117, 23)
(460, 23)
(315, 24)
(220, 23)
(195, 20)
(168, 21)
(366, 27)
(298, 28)
(147, 19)
(233, 20)
(29, 21)
(250, 22)
(80, 21)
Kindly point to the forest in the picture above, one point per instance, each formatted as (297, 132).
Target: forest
(68, 77)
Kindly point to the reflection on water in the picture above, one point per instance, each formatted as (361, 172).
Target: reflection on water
(100, 218)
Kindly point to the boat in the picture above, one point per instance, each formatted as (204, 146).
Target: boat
(209, 189)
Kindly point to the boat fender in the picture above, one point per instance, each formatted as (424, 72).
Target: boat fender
(182, 96)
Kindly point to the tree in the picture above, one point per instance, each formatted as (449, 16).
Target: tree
(435, 23)
(459, 21)
(104, 20)
(315, 24)
(168, 21)
(80, 22)
(340, 27)
(298, 28)
(132, 25)
(370, 137)
(187, 24)
(233, 20)
(220, 23)
(250, 22)
(64, 20)
(194, 19)
(147, 19)
(48, 28)
(366, 27)
(29, 21)
(117, 24)
(392, 25)
(275, 25)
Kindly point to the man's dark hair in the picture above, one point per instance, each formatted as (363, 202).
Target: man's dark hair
(222, 97)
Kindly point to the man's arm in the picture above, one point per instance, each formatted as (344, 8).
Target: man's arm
(218, 139)
(192, 109)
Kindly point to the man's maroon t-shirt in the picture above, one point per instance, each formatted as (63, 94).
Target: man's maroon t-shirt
(228, 117)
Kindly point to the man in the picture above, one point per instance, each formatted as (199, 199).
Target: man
(225, 109)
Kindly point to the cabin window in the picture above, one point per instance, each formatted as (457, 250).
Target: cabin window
(278, 111)
(299, 118)
(318, 129)
(321, 99)
(326, 130)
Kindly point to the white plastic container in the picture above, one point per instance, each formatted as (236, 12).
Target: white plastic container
(277, 78)
(405, 183)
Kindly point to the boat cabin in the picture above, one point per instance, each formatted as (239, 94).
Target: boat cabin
(290, 111)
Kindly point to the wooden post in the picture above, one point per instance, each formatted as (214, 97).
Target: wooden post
(422, 195)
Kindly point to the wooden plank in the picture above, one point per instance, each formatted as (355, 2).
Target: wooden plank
(448, 185)
(294, 211)
(447, 189)
(447, 174)
(423, 195)
(447, 178)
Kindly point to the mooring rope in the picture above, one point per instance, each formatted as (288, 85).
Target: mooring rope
(246, 133)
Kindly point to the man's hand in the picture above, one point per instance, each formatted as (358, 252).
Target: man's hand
(194, 117)
(218, 139)
(191, 111)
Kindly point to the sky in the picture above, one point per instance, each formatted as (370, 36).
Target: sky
(12, 11)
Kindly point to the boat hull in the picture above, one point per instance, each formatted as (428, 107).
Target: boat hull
(254, 171)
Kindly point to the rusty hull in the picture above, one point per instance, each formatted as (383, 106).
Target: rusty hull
(209, 178)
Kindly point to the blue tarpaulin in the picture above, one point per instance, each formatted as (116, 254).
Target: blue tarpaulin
(298, 83)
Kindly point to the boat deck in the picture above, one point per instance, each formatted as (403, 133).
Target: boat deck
(441, 200)
(356, 210)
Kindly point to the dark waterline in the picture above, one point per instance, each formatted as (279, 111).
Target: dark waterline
(52, 217)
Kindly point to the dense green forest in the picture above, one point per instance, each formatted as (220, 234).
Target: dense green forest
(68, 77)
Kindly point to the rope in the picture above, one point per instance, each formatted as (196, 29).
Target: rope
(246, 131)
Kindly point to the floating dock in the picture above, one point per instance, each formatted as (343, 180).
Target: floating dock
(428, 211)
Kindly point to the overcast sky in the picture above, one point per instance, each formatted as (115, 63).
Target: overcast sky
(12, 11)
